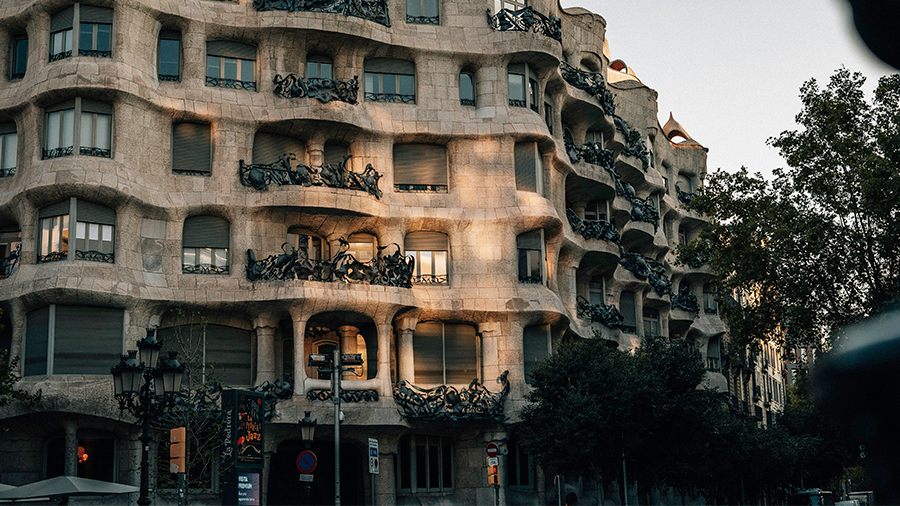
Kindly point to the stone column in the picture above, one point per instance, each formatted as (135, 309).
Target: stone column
(492, 363)
(299, 357)
(384, 359)
(347, 335)
(385, 479)
(265, 326)
(71, 463)
(315, 148)
(406, 366)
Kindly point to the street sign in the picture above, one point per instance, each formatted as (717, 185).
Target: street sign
(493, 461)
(492, 450)
(373, 456)
(306, 462)
(306, 477)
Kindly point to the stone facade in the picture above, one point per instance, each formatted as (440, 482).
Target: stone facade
(516, 268)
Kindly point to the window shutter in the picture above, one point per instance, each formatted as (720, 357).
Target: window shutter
(535, 347)
(231, 49)
(389, 65)
(92, 14)
(37, 337)
(7, 128)
(529, 240)
(268, 147)
(628, 309)
(95, 213)
(57, 209)
(460, 353)
(424, 164)
(191, 147)
(518, 68)
(526, 166)
(205, 232)
(62, 106)
(428, 354)
(170, 34)
(87, 339)
(228, 349)
(426, 241)
(62, 19)
(334, 153)
(712, 349)
(94, 106)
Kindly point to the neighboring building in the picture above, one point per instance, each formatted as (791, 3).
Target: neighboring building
(758, 382)
(188, 144)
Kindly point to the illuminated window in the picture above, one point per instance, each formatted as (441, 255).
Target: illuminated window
(430, 250)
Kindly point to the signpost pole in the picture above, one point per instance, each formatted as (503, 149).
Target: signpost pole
(336, 399)
(181, 497)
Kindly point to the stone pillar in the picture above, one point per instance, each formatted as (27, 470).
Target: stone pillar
(299, 357)
(315, 148)
(385, 479)
(384, 359)
(265, 327)
(71, 463)
(406, 366)
(347, 335)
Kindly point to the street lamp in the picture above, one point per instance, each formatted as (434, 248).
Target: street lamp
(307, 429)
(146, 386)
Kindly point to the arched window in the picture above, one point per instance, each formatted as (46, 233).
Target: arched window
(628, 308)
(205, 245)
(683, 183)
(390, 80)
(431, 251)
(420, 168)
(466, 88)
(73, 340)
(268, 147)
(444, 354)
(95, 232)
(530, 246)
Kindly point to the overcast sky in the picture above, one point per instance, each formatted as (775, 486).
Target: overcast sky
(730, 71)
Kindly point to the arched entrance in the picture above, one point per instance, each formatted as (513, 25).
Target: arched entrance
(285, 487)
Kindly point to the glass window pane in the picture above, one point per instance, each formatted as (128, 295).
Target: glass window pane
(325, 70)
(188, 256)
(434, 468)
(169, 50)
(407, 85)
(93, 231)
(534, 264)
(230, 68)
(516, 87)
(404, 456)
(447, 461)
(68, 40)
(56, 42)
(430, 8)
(10, 148)
(68, 128)
(312, 69)
(64, 233)
(213, 64)
(55, 234)
(466, 89)
(205, 256)
(440, 263)
(221, 257)
(389, 84)
(533, 92)
(371, 82)
(413, 8)
(247, 74)
(421, 466)
(86, 38)
(20, 56)
(53, 125)
(80, 228)
(102, 138)
(87, 130)
(103, 37)
(427, 267)
(46, 223)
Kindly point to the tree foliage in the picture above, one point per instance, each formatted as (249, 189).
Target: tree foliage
(818, 247)
(8, 379)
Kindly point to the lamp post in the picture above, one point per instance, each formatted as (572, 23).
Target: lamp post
(146, 386)
(307, 429)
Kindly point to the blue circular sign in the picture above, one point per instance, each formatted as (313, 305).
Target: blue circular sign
(306, 462)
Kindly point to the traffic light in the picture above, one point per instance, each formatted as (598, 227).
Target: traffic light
(493, 475)
(177, 449)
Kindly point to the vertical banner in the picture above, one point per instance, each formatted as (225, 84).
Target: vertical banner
(242, 446)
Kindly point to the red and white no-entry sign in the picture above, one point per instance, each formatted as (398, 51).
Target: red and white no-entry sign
(492, 450)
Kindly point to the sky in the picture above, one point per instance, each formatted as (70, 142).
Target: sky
(730, 71)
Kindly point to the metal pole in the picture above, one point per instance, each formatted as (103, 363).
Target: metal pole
(372, 476)
(624, 478)
(145, 438)
(336, 399)
(181, 497)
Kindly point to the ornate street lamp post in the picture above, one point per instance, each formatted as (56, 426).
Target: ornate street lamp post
(146, 386)
(307, 429)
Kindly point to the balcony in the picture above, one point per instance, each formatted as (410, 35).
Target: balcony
(222, 82)
(284, 172)
(526, 20)
(371, 10)
(712, 364)
(606, 314)
(650, 270)
(590, 152)
(634, 143)
(593, 229)
(8, 264)
(684, 197)
(592, 83)
(685, 299)
(324, 90)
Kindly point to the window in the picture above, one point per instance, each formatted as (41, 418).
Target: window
(95, 231)
(9, 147)
(94, 32)
(10, 251)
(169, 55)
(710, 306)
(425, 464)
(319, 67)
(267, 148)
(73, 340)
(362, 246)
(230, 64)
(61, 33)
(334, 152)
(596, 210)
(224, 351)
(430, 250)
(310, 246)
(683, 236)
(205, 245)
(651, 323)
(425, 12)
(92, 131)
(548, 112)
(19, 58)
(596, 291)
(466, 89)
(512, 5)
(191, 149)
(444, 354)
(683, 183)
(530, 246)
(96, 458)
(390, 80)
(522, 86)
(535, 347)
(529, 167)
(521, 468)
(420, 168)
(594, 137)
(628, 309)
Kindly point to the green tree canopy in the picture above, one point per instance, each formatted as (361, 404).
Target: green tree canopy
(818, 247)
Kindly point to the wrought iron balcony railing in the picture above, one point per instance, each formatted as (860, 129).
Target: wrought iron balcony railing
(222, 82)
(95, 256)
(60, 56)
(53, 256)
(650, 270)
(589, 152)
(634, 142)
(686, 300)
(8, 172)
(606, 314)
(421, 188)
(531, 280)
(467, 101)
(204, 269)
(517, 103)
(89, 151)
(324, 90)
(168, 78)
(8, 264)
(284, 172)
(390, 97)
(95, 53)
(429, 279)
(385, 269)
(15, 76)
(593, 229)
(592, 83)
(57, 152)
(372, 10)
(526, 20)
(641, 209)
(445, 403)
(423, 20)
(684, 197)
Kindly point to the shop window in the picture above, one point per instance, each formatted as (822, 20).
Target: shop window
(96, 458)
(19, 62)
(191, 149)
(425, 12)
(169, 56)
(425, 464)
(205, 245)
(90, 135)
(521, 467)
(73, 340)
(466, 89)
(528, 166)
(651, 323)
(307, 244)
(444, 354)
(95, 232)
(530, 246)
(628, 308)
(9, 147)
(268, 148)
(218, 352)
(522, 86)
(710, 306)
(319, 67)
(230, 64)
(390, 80)
(430, 251)
(420, 168)
(535, 347)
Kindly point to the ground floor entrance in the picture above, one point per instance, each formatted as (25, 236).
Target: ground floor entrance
(285, 487)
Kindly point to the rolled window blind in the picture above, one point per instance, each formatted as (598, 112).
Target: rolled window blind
(87, 339)
(92, 14)
(94, 106)
(62, 19)
(95, 213)
(228, 348)
(529, 240)
(628, 309)
(389, 65)
(460, 353)
(57, 209)
(526, 166)
(268, 147)
(426, 241)
(428, 354)
(205, 232)
(191, 147)
(422, 164)
(37, 337)
(231, 49)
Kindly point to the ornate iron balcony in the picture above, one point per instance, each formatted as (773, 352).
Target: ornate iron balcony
(526, 20)
(169, 78)
(444, 403)
(429, 279)
(641, 209)
(230, 83)
(590, 152)
(517, 103)
(387, 270)
(390, 97)
(8, 172)
(8, 264)
(686, 300)
(593, 229)
(260, 176)
(95, 53)
(634, 142)
(684, 197)
(95, 256)
(325, 90)
(531, 280)
(650, 270)
(372, 10)
(607, 314)
(187, 172)
(467, 101)
(53, 256)
(421, 188)
(60, 56)
(423, 20)
(104, 153)
(203, 269)
(346, 395)
(592, 83)
(58, 152)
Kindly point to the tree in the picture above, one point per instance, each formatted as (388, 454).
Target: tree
(8, 379)
(818, 247)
